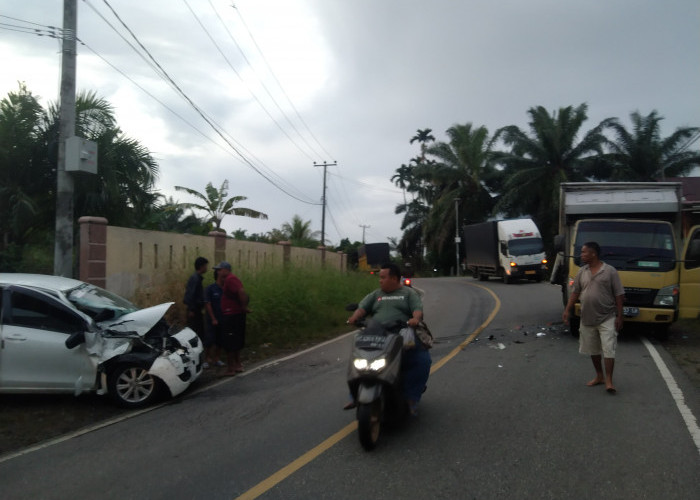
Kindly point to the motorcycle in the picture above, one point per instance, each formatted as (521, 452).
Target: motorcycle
(374, 378)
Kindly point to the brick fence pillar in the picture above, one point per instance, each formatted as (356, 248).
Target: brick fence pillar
(93, 250)
(219, 246)
(286, 253)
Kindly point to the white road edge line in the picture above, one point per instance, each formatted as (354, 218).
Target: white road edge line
(690, 421)
(85, 430)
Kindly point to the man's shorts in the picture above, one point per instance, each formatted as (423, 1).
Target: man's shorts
(598, 339)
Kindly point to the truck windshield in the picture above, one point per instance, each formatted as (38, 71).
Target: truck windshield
(525, 246)
(629, 245)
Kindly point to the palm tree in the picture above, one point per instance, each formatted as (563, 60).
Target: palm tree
(217, 206)
(123, 188)
(462, 165)
(538, 162)
(402, 178)
(423, 137)
(21, 116)
(299, 233)
(643, 155)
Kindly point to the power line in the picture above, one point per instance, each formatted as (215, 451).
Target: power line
(250, 34)
(161, 71)
(243, 81)
(262, 83)
(200, 132)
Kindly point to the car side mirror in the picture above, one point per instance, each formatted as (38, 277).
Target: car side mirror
(75, 339)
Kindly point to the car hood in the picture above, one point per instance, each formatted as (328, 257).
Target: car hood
(140, 321)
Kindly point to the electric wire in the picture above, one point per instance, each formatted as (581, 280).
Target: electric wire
(228, 62)
(262, 83)
(250, 34)
(198, 110)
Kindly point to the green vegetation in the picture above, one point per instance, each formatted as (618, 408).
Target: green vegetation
(468, 177)
(516, 173)
(290, 308)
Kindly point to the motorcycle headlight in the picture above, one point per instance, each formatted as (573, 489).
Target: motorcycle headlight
(362, 364)
(377, 364)
(667, 296)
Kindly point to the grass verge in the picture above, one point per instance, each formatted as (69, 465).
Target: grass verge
(289, 307)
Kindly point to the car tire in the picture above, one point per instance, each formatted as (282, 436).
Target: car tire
(131, 386)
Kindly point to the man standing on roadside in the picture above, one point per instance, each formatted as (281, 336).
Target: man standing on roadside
(234, 307)
(194, 297)
(601, 292)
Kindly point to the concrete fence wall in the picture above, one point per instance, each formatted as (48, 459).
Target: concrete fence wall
(125, 260)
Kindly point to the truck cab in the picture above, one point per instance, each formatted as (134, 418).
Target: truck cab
(637, 226)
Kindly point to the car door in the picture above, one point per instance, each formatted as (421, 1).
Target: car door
(689, 299)
(33, 356)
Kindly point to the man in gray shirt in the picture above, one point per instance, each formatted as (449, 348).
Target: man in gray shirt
(598, 286)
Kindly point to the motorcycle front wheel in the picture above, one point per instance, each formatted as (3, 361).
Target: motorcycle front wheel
(369, 419)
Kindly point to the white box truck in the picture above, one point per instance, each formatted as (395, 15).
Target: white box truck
(638, 228)
(507, 249)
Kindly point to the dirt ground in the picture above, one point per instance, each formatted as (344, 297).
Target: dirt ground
(27, 420)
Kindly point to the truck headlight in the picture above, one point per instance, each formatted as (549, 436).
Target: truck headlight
(667, 296)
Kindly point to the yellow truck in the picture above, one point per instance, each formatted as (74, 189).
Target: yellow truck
(371, 256)
(638, 226)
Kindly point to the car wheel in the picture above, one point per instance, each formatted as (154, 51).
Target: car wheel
(131, 386)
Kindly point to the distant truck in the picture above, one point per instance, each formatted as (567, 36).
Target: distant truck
(638, 227)
(507, 249)
(371, 256)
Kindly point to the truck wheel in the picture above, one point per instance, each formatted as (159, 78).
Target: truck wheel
(574, 324)
(483, 277)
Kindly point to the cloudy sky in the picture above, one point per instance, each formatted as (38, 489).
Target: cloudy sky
(290, 83)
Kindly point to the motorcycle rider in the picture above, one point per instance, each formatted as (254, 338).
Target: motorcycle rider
(391, 302)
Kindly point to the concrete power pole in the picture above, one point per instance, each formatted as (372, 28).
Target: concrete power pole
(364, 226)
(457, 239)
(323, 199)
(63, 248)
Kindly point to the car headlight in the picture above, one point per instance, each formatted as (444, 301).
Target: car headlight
(363, 364)
(667, 296)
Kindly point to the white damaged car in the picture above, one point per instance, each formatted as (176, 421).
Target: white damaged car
(63, 335)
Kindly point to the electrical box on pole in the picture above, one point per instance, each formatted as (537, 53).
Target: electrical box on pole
(81, 155)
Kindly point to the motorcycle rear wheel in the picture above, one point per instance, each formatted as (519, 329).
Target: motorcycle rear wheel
(369, 419)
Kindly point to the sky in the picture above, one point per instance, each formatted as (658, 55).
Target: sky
(296, 84)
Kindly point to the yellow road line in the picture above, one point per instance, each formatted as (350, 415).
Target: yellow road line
(474, 334)
(282, 474)
(300, 462)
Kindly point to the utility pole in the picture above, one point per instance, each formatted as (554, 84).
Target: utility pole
(363, 226)
(457, 239)
(63, 248)
(323, 199)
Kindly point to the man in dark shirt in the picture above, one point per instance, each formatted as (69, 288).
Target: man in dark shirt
(194, 297)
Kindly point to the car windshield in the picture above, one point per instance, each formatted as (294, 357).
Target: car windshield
(629, 245)
(99, 303)
(525, 246)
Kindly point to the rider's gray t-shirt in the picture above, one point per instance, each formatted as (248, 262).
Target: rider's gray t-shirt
(390, 307)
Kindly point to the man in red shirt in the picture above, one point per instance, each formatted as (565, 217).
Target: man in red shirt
(234, 307)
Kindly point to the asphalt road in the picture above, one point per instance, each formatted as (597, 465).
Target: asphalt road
(506, 415)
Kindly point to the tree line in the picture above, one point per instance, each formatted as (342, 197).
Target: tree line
(123, 190)
(474, 175)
